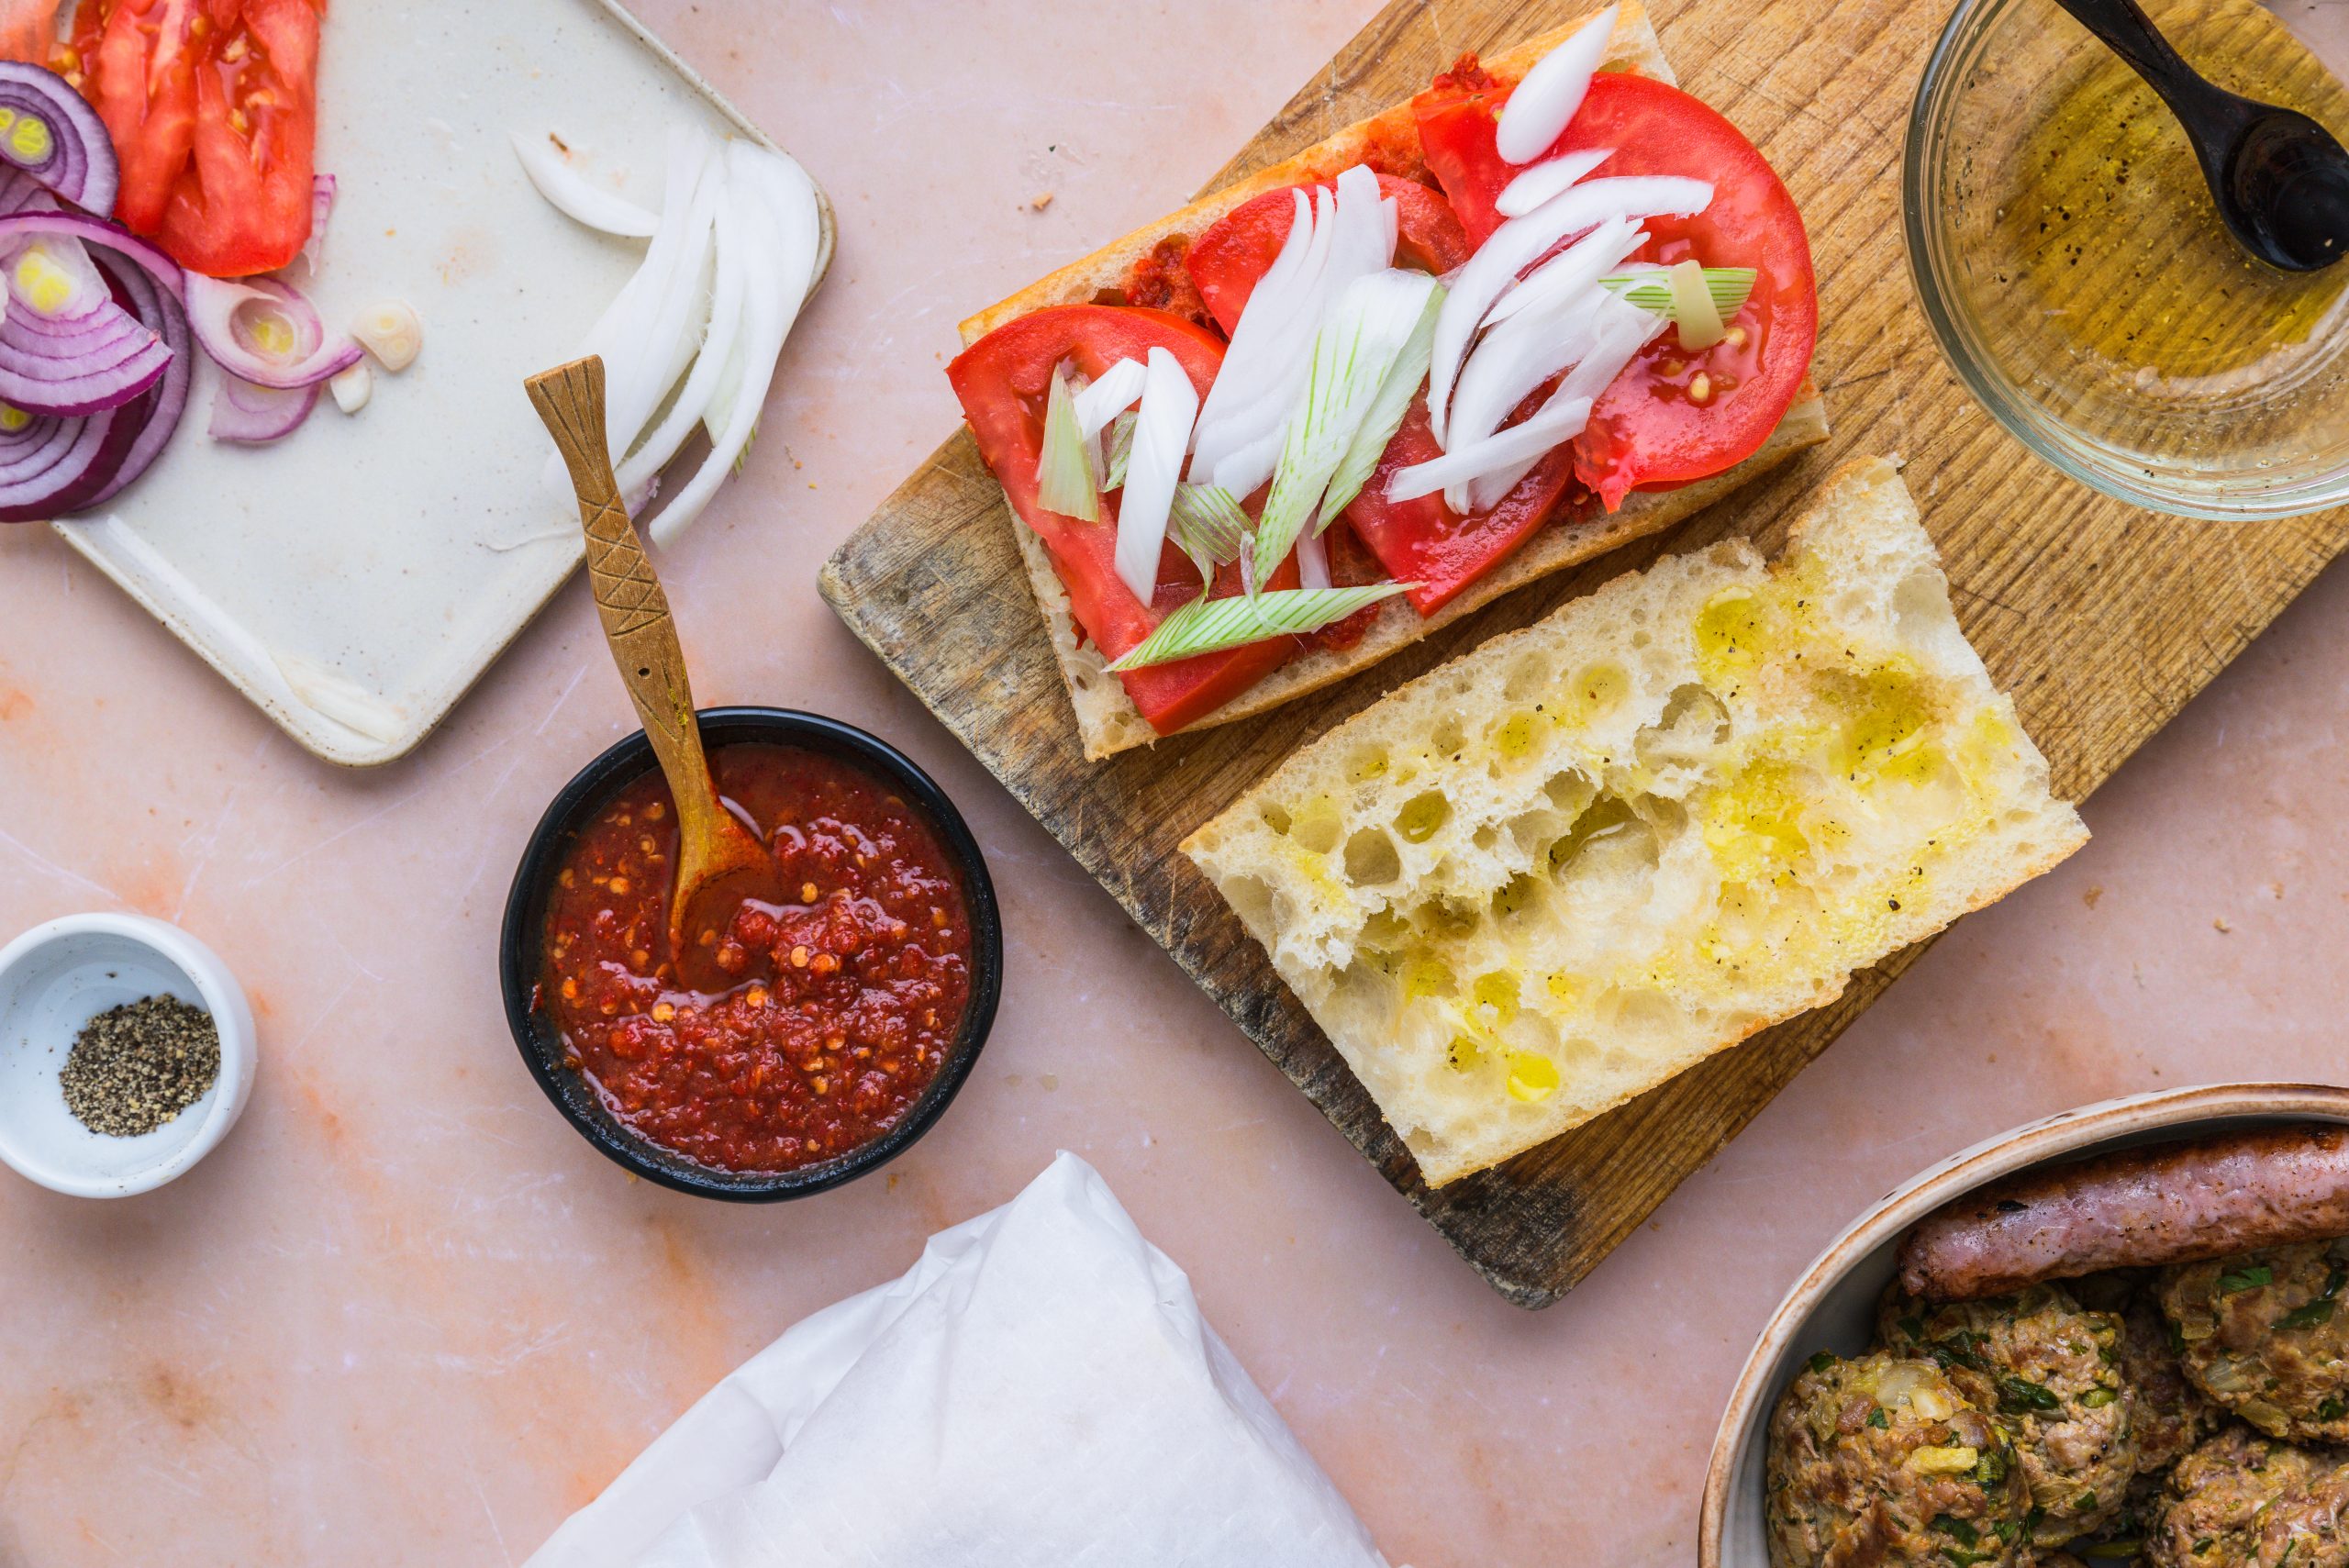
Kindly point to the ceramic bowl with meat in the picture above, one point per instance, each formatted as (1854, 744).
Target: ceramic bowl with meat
(2122, 1319)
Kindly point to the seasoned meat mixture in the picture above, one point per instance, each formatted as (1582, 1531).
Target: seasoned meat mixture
(2263, 1335)
(2051, 1369)
(1883, 1461)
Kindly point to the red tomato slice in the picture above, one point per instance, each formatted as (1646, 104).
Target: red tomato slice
(1649, 431)
(213, 108)
(1425, 542)
(1003, 380)
(1237, 249)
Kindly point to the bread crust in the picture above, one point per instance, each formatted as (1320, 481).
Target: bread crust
(1106, 721)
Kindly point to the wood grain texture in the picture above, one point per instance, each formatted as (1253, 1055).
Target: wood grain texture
(2101, 620)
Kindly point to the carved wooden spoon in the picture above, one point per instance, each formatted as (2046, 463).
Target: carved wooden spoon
(720, 863)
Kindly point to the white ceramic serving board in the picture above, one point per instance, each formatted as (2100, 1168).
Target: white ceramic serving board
(356, 578)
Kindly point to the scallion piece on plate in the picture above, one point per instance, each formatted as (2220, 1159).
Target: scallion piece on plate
(1651, 289)
(1210, 626)
(1063, 475)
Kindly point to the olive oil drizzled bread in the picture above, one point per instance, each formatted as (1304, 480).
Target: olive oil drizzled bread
(1562, 869)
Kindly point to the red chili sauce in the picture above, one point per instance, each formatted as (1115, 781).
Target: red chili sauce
(871, 968)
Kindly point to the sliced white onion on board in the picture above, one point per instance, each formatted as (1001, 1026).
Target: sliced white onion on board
(577, 198)
(1542, 105)
(1111, 393)
(729, 287)
(781, 270)
(1162, 433)
(1546, 180)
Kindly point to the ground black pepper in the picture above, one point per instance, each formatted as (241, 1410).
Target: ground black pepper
(135, 1067)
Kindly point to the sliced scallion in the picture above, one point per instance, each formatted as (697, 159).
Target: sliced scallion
(1650, 288)
(1386, 413)
(1366, 331)
(1119, 437)
(1064, 482)
(1209, 626)
(1207, 524)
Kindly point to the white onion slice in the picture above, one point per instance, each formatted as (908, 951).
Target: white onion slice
(1572, 271)
(1111, 393)
(785, 235)
(729, 285)
(353, 386)
(1343, 234)
(1543, 104)
(576, 197)
(1312, 559)
(1519, 242)
(1512, 363)
(1546, 180)
(1622, 331)
(1161, 434)
(1527, 442)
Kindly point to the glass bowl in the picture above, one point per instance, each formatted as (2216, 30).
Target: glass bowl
(2069, 258)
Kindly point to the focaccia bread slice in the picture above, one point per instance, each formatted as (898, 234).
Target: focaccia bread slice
(1106, 721)
(1560, 870)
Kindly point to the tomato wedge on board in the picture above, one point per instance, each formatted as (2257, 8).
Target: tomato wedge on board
(213, 108)
(1237, 249)
(1649, 430)
(1003, 381)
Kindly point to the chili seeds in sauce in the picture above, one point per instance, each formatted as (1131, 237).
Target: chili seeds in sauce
(870, 968)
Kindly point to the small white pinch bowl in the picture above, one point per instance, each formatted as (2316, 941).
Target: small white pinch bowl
(57, 978)
(1832, 1307)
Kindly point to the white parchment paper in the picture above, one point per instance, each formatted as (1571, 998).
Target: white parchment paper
(1039, 1389)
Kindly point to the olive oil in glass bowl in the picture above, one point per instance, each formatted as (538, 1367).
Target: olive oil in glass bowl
(2075, 270)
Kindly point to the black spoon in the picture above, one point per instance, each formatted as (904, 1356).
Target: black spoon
(2280, 179)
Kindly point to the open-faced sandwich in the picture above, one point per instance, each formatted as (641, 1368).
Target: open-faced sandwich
(1547, 306)
(1571, 864)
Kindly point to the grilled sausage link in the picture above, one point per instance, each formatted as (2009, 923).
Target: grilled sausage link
(2166, 1202)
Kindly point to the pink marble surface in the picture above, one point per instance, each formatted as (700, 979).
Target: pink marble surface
(405, 1316)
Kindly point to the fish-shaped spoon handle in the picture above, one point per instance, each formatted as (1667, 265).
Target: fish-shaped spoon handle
(712, 844)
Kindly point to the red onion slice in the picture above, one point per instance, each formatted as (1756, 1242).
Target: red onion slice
(84, 355)
(168, 401)
(234, 320)
(51, 134)
(255, 415)
(52, 466)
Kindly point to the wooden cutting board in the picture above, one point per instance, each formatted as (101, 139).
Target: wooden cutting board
(2100, 620)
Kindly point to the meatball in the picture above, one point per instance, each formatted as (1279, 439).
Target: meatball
(2246, 1501)
(2260, 1335)
(1882, 1461)
(2171, 1414)
(2051, 1369)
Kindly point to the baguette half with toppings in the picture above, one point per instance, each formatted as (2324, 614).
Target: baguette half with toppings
(1146, 268)
(1558, 871)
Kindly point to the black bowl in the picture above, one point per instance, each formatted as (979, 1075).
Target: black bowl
(520, 953)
